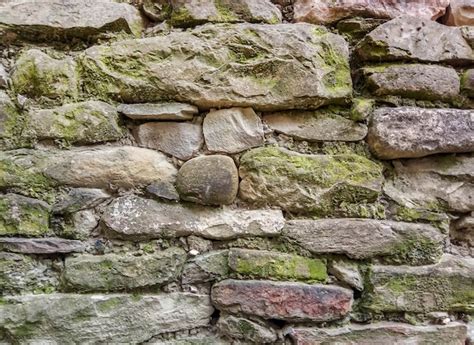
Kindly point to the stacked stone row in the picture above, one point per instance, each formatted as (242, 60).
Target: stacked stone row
(199, 172)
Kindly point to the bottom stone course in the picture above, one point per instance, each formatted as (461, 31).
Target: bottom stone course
(116, 318)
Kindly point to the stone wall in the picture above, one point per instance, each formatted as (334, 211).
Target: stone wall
(236, 172)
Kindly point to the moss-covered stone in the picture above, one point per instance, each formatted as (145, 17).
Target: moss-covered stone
(309, 184)
(275, 265)
(12, 125)
(208, 267)
(84, 123)
(23, 274)
(112, 272)
(361, 108)
(23, 216)
(446, 286)
(38, 75)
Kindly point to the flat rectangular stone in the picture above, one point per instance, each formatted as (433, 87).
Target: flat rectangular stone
(114, 318)
(409, 132)
(424, 82)
(118, 272)
(172, 111)
(446, 286)
(40, 245)
(135, 218)
(65, 19)
(282, 300)
(380, 333)
(398, 242)
(266, 67)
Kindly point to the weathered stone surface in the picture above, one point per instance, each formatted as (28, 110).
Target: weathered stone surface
(55, 20)
(82, 123)
(23, 274)
(77, 199)
(163, 190)
(232, 130)
(365, 238)
(159, 111)
(417, 81)
(327, 11)
(312, 184)
(107, 166)
(23, 216)
(408, 132)
(208, 267)
(40, 245)
(4, 77)
(208, 180)
(282, 300)
(182, 140)
(274, 265)
(79, 225)
(136, 218)
(380, 333)
(467, 82)
(442, 287)
(114, 318)
(215, 66)
(361, 109)
(415, 39)
(315, 126)
(357, 27)
(36, 75)
(156, 10)
(459, 13)
(462, 230)
(11, 124)
(347, 272)
(246, 330)
(434, 183)
(114, 272)
(189, 13)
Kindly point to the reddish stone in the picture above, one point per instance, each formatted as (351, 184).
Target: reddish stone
(459, 13)
(282, 300)
(330, 11)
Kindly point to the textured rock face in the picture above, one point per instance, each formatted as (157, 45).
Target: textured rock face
(408, 132)
(207, 267)
(23, 216)
(53, 19)
(365, 238)
(184, 64)
(105, 166)
(381, 333)
(282, 301)
(315, 126)
(112, 272)
(10, 125)
(232, 130)
(434, 183)
(307, 183)
(460, 12)
(85, 123)
(36, 74)
(416, 39)
(182, 140)
(468, 82)
(40, 245)
(414, 81)
(137, 218)
(87, 318)
(274, 265)
(327, 11)
(186, 13)
(23, 274)
(208, 180)
(247, 330)
(442, 287)
(159, 111)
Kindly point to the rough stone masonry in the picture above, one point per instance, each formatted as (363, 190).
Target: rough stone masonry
(237, 172)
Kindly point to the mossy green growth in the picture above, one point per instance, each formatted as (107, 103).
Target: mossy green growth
(225, 14)
(110, 304)
(279, 266)
(25, 180)
(23, 216)
(38, 75)
(182, 17)
(336, 65)
(416, 251)
(361, 108)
